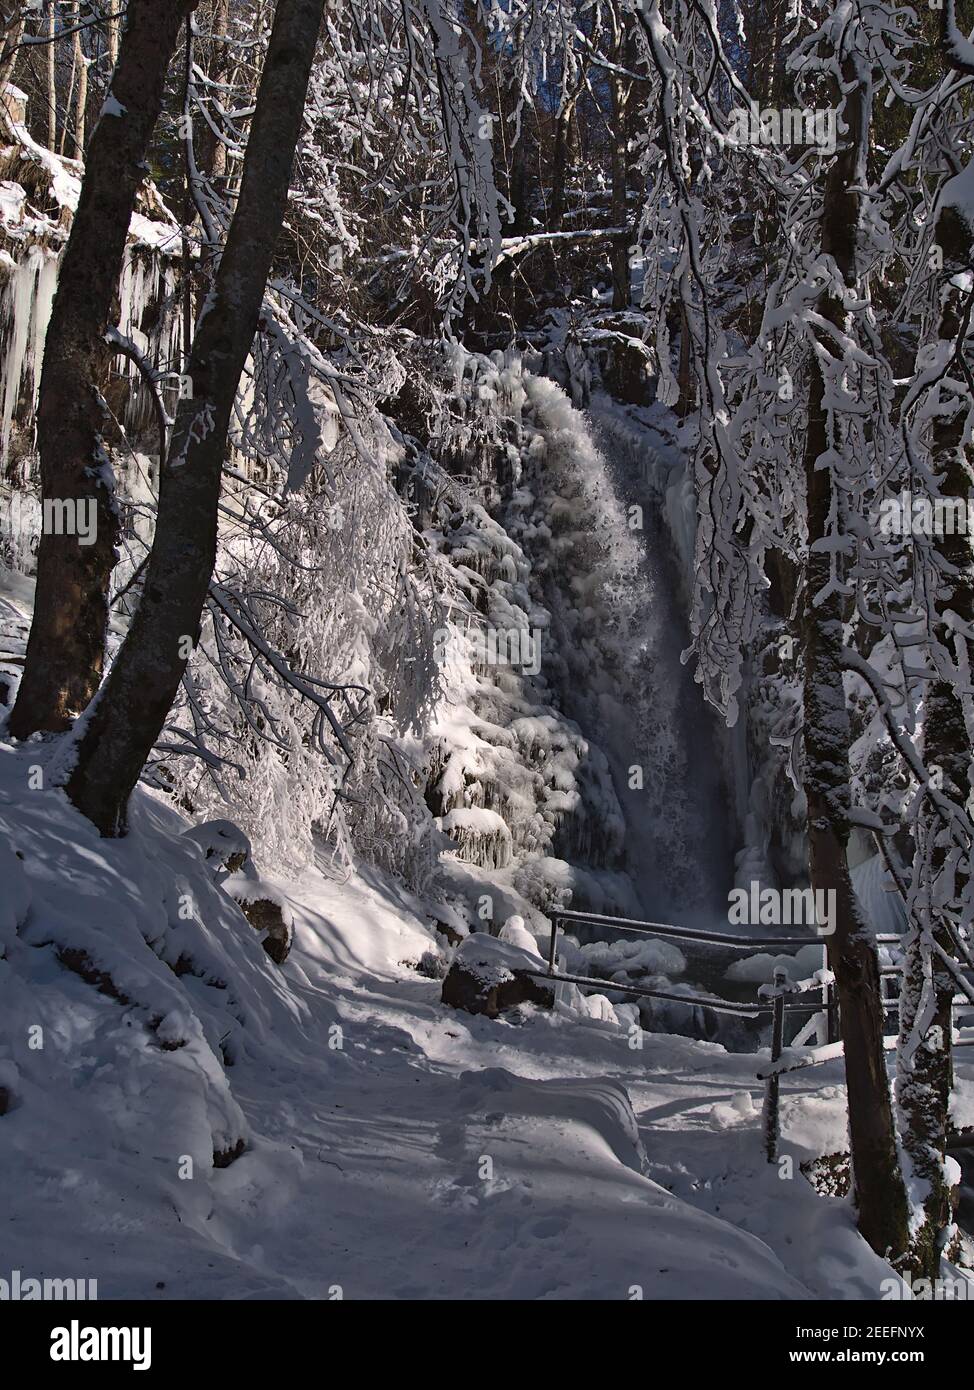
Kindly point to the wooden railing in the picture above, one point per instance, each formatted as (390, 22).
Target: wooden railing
(776, 1000)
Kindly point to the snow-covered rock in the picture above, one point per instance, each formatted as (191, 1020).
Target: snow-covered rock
(489, 975)
(266, 910)
(224, 845)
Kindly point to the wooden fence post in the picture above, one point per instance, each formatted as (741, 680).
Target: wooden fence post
(771, 1122)
(552, 945)
(833, 1015)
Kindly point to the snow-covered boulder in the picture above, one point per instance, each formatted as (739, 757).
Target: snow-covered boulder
(224, 845)
(489, 975)
(228, 853)
(266, 910)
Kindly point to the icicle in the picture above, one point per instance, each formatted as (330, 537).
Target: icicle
(24, 316)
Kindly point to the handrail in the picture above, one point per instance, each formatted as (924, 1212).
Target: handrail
(778, 1005)
(726, 1006)
(629, 924)
(634, 924)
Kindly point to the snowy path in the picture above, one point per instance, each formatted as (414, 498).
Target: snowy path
(397, 1129)
(390, 1201)
(368, 1171)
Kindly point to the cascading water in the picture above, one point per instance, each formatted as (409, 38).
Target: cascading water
(644, 709)
(678, 824)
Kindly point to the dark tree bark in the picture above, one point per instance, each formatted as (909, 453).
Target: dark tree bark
(879, 1190)
(924, 1085)
(764, 24)
(925, 1062)
(685, 377)
(523, 180)
(65, 652)
(144, 679)
(561, 153)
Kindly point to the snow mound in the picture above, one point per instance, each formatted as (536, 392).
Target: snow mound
(635, 958)
(760, 968)
(603, 1106)
(129, 984)
(222, 842)
(515, 933)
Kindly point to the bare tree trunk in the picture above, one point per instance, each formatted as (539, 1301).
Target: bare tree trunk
(65, 652)
(114, 33)
(81, 95)
(11, 33)
(685, 377)
(140, 688)
(243, 78)
(522, 180)
(70, 94)
(51, 75)
(879, 1189)
(764, 23)
(925, 1060)
(213, 157)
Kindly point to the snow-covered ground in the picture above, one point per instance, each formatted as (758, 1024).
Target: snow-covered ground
(394, 1148)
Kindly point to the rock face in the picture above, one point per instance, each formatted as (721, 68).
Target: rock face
(488, 976)
(265, 915)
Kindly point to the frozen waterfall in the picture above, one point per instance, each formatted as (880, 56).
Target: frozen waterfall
(648, 715)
